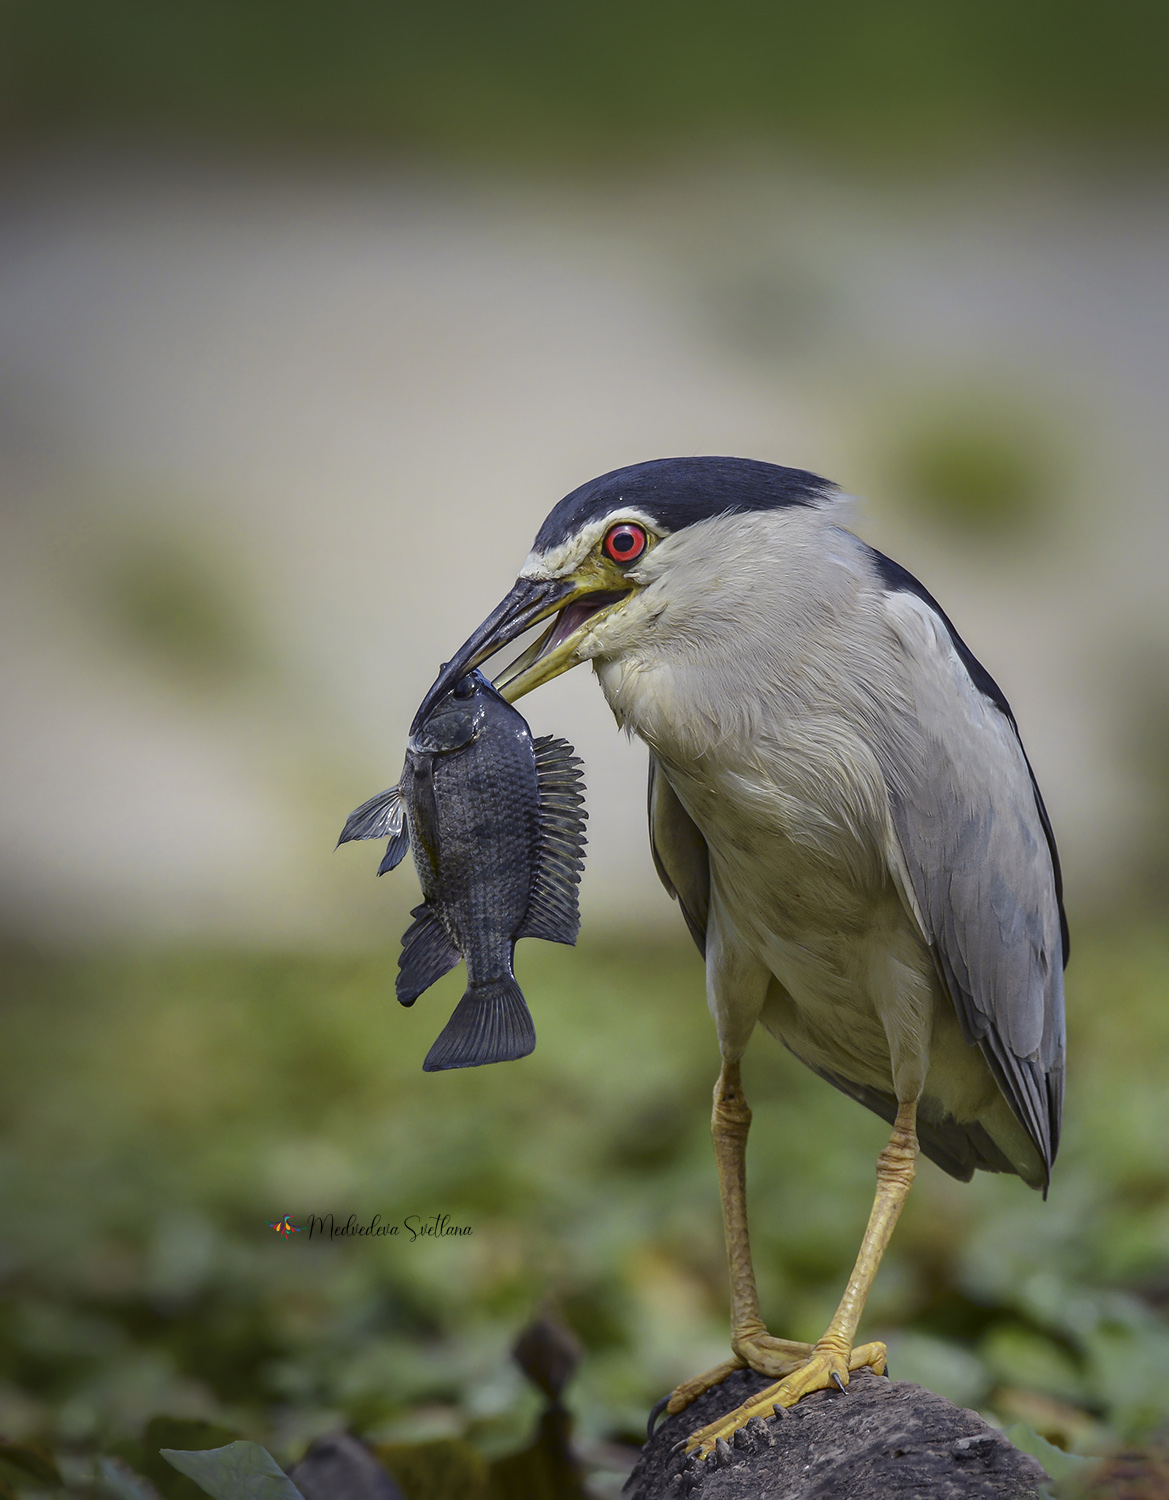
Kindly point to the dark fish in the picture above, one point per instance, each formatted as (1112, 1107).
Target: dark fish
(496, 824)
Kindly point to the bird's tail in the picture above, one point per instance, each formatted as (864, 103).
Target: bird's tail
(491, 1023)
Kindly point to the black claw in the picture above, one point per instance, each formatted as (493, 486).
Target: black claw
(659, 1407)
(839, 1381)
(679, 1445)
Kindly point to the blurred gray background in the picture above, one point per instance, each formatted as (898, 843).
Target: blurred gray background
(277, 431)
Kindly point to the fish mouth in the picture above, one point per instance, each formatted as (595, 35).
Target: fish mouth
(527, 603)
(576, 602)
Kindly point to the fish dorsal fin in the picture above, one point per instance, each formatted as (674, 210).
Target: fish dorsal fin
(553, 911)
(427, 954)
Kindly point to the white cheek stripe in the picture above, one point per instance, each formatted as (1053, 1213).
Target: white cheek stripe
(559, 561)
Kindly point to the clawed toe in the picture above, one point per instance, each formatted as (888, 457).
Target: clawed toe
(690, 1390)
(823, 1369)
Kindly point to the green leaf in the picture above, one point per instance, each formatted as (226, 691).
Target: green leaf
(184, 1434)
(241, 1471)
(1059, 1465)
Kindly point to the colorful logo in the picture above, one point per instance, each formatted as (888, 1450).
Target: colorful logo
(285, 1228)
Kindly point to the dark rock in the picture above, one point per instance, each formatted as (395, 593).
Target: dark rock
(548, 1354)
(881, 1439)
(338, 1467)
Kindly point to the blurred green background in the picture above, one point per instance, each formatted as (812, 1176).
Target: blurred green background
(307, 316)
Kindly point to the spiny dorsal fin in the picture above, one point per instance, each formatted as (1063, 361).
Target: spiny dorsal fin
(553, 911)
(427, 954)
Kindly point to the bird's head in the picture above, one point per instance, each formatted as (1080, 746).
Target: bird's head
(605, 546)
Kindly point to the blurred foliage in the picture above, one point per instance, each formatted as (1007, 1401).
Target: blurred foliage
(441, 1470)
(518, 78)
(161, 1111)
(1141, 694)
(169, 600)
(974, 469)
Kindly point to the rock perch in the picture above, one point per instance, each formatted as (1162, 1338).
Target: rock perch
(880, 1439)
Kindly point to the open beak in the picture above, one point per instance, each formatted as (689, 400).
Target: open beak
(577, 603)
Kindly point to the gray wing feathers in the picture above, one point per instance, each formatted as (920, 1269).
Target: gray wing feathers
(967, 820)
(679, 853)
(959, 1148)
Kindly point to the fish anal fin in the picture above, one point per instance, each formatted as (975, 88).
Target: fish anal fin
(427, 954)
(491, 1023)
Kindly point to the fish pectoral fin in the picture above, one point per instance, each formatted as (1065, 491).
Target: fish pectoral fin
(395, 852)
(381, 817)
(491, 1023)
(427, 954)
(553, 912)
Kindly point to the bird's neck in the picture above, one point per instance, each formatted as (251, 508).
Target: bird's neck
(744, 663)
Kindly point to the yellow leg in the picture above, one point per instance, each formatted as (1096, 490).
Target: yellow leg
(750, 1340)
(831, 1359)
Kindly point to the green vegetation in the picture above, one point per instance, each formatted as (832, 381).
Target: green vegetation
(975, 469)
(161, 1111)
(522, 80)
(167, 598)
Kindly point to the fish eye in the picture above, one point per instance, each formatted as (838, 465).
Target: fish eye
(624, 543)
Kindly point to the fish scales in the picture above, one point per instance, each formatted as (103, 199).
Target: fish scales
(495, 821)
(487, 804)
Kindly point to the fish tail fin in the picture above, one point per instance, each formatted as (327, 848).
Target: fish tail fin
(491, 1023)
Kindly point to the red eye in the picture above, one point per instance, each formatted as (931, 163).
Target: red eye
(624, 543)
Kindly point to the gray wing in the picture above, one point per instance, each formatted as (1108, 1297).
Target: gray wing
(679, 853)
(974, 837)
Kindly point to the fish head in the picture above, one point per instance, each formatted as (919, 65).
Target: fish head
(457, 718)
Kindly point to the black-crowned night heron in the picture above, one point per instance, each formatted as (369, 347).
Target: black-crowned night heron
(840, 802)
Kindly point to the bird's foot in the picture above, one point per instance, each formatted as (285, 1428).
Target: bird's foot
(759, 1351)
(825, 1367)
(768, 1355)
(690, 1390)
